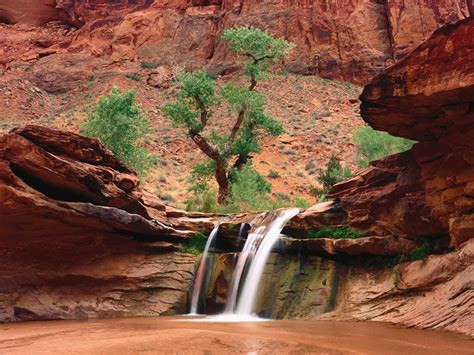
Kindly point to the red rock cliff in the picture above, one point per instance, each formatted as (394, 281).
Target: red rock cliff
(429, 190)
(345, 39)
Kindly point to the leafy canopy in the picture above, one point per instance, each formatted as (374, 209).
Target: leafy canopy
(200, 96)
(260, 47)
(119, 124)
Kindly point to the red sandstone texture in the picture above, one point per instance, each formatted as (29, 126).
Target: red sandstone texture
(426, 191)
(78, 236)
(347, 40)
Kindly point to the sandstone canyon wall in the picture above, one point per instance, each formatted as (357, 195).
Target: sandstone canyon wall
(346, 40)
(79, 238)
(428, 97)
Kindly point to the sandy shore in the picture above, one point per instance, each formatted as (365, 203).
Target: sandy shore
(177, 335)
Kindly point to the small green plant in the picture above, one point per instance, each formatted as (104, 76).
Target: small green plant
(335, 233)
(333, 174)
(120, 125)
(194, 245)
(147, 65)
(273, 174)
(372, 145)
(300, 202)
(133, 76)
(420, 253)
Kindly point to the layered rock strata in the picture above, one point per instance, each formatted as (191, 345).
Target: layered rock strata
(426, 191)
(78, 236)
(345, 40)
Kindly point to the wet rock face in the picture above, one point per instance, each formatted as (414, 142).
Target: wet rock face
(428, 97)
(435, 293)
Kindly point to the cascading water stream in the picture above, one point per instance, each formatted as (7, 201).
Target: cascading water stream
(264, 233)
(201, 273)
(260, 241)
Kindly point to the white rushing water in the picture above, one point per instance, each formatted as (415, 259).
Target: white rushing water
(200, 278)
(264, 233)
(262, 237)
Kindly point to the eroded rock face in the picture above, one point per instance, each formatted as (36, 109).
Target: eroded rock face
(428, 97)
(347, 40)
(78, 236)
(37, 12)
(436, 293)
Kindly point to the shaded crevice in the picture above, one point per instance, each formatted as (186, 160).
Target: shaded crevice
(50, 191)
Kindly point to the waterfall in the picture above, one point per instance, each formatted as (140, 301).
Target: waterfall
(264, 234)
(201, 273)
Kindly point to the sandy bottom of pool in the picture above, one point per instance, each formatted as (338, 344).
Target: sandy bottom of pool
(178, 335)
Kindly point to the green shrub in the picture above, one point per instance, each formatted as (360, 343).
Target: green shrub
(147, 65)
(335, 233)
(372, 145)
(300, 202)
(133, 76)
(194, 245)
(273, 174)
(420, 253)
(120, 125)
(249, 192)
(333, 174)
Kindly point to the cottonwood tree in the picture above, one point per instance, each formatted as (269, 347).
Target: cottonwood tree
(199, 96)
(120, 125)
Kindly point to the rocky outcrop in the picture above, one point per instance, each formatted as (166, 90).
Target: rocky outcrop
(78, 236)
(346, 40)
(436, 293)
(36, 12)
(425, 191)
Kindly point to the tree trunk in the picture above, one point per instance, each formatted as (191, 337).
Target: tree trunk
(223, 182)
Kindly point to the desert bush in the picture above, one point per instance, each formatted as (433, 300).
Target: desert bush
(147, 65)
(332, 174)
(273, 174)
(120, 125)
(372, 145)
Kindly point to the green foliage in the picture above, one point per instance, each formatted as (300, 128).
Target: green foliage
(199, 96)
(185, 111)
(249, 192)
(194, 245)
(335, 233)
(147, 65)
(420, 253)
(372, 145)
(300, 202)
(333, 174)
(260, 47)
(273, 174)
(120, 125)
